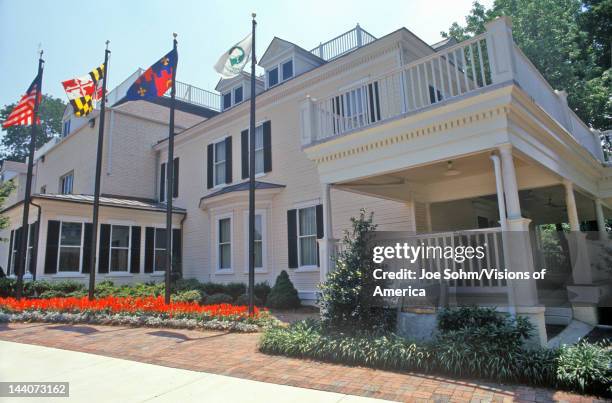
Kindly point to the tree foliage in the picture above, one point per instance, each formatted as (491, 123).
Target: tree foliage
(567, 40)
(15, 142)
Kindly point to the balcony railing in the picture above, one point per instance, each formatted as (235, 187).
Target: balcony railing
(342, 44)
(467, 67)
(197, 96)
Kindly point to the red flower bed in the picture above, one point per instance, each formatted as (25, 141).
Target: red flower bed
(149, 305)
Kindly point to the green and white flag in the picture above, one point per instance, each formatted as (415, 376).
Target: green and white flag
(232, 62)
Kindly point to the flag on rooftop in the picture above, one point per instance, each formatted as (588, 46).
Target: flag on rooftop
(83, 91)
(156, 80)
(231, 63)
(22, 113)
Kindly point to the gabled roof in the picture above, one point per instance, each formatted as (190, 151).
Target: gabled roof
(278, 45)
(444, 43)
(242, 76)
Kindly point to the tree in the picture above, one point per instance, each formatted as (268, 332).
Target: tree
(16, 140)
(562, 40)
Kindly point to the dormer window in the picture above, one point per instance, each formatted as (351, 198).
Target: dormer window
(233, 97)
(280, 73)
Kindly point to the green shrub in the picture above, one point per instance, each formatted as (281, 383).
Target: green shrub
(186, 285)
(213, 288)
(219, 298)
(244, 300)
(53, 294)
(106, 288)
(67, 286)
(469, 316)
(188, 296)
(7, 287)
(235, 289)
(586, 367)
(283, 295)
(261, 291)
(35, 288)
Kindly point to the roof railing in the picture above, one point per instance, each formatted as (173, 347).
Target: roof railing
(344, 43)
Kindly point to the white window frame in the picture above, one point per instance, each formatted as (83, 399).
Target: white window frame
(262, 148)
(13, 247)
(61, 272)
(218, 269)
(129, 250)
(264, 241)
(155, 249)
(215, 163)
(234, 94)
(310, 267)
(279, 67)
(230, 93)
(69, 174)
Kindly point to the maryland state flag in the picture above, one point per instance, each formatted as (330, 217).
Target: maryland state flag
(156, 80)
(83, 91)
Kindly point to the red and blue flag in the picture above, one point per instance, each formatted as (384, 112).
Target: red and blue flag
(156, 80)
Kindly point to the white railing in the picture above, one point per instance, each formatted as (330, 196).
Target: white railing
(467, 67)
(342, 44)
(453, 72)
(198, 96)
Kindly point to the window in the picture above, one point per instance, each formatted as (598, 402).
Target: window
(30, 250)
(433, 92)
(273, 77)
(70, 247)
(66, 183)
(227, 100)
(160, 255)
(162, 180)
(219, 162)
(287, 70)
(14, 247)
(66, 128)
(43, 189)
(260, 234)
(224, 242)
(237, 95)
(120, 248)
(307, 236)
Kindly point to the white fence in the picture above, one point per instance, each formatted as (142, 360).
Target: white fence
(342, 44)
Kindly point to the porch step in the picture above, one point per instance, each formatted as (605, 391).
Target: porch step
(558, 315)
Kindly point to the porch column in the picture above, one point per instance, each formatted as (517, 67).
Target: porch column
(327, 243)
(601, 220)
(519, 256)
(583, 295)
(428, 217)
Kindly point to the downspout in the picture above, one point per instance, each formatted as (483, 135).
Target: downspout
(35, 246)
(501, 203)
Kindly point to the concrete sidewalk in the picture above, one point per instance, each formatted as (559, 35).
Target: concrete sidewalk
(95, 378)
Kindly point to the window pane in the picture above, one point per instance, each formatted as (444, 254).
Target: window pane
(237, 95)
(160, 260)
(220, 173)
(224, 230)
(119, 259)
(160, 238)
(70, 258)
(288, 70)
(120, 236)
(259, 137)
(258, 253)
(225, 258)
(308, 251)
(308, 221)
(258, 227)
(273, 77)
(220, 151)
(227, 100)
(71, 234)
(259, 161)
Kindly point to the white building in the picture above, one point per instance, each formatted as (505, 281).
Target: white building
(445, 141)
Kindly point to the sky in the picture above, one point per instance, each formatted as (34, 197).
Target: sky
(72, 34)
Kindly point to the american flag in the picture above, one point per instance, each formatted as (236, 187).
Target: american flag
(24, 111)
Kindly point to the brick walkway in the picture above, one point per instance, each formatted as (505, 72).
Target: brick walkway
(236, 355)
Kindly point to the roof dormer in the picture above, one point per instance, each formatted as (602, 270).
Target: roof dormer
(284, 60)
(237, 89)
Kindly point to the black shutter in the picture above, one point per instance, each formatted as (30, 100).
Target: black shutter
(87, 247)
(175, 178)
(10, 255)
(209, 167)
(244, 147)
(228, 160)
(177, 246)
(135, 251)
(292, 239)
(34, 238)
(267, 143)
(162, 183)
(149, 249)
(53, 230)
(319, 214)
(104, 248)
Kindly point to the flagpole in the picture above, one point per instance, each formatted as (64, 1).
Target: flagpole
(23, 244)
(170, 179)
(252, 176)
(96, 201)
